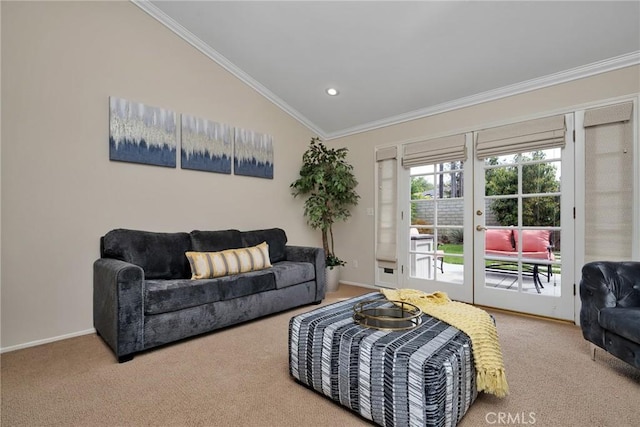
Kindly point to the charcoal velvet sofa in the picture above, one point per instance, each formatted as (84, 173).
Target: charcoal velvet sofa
(144, 297)
(610, 313)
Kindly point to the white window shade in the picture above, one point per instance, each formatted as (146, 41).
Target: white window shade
(539, 134)
(609, 183)
(610, 114)
(435, 151)
(386, 239)
(386, 153)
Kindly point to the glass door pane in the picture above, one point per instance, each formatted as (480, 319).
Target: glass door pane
(436, 244)
(518, 247)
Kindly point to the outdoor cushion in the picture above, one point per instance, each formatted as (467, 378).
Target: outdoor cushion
(533, 240)
(498, 240)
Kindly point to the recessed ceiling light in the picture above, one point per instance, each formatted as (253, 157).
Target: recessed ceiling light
(332, 91)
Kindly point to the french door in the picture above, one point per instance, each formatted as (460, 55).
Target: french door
(436, 228)
(523, 230)
(452, 211)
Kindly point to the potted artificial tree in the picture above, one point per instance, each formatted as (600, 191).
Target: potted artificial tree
(329, 184)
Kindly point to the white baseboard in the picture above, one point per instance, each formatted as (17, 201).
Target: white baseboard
(47, 340)
(93, 331)
(362, 285)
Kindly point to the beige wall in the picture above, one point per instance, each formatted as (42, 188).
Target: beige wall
(60, 193)
(60, 63)
(361, 148)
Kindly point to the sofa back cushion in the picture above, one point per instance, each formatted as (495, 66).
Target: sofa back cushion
(276, 238)
(161, 255)
(214, 241)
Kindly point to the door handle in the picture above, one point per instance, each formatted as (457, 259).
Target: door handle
(480, 228)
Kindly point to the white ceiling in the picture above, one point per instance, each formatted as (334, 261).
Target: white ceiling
(394, 61)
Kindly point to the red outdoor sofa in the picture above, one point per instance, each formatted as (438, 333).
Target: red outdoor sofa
(536, 246)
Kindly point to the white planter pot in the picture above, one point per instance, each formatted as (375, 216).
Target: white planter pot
(333, 278)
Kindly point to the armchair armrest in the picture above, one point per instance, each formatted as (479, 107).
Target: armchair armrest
(118, 305)
(315, 256)
(606, 284)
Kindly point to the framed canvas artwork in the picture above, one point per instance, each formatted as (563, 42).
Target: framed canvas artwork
(253, 154)
(206, 145)
(141, 133)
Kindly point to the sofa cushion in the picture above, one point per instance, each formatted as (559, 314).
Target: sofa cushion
(290, 273)
(207, 265)
(162, 296)
(161, 255)
(276, 238)
(213, 241)
(621, 321)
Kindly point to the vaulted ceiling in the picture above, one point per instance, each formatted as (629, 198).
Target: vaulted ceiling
(393, 61)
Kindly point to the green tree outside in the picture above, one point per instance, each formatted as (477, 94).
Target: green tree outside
(419, 186)
(536, 178)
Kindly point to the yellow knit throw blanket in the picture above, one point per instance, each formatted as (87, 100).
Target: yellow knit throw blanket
(491, 376)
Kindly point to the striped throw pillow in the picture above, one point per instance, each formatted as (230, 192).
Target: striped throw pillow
(207, 265)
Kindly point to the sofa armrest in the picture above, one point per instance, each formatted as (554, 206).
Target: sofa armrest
(118, 305)
(315, 256)
(606, 284)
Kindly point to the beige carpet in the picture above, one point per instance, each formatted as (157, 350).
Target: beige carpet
(239, 376)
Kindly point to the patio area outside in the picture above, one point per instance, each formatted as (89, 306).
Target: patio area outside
(426, 267)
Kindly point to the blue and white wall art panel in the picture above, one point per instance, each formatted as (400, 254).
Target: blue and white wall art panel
(253, 154)
(140, 133)
(206, 145)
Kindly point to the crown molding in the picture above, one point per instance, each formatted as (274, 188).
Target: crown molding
(185, 34)
(599, 67)
(588, 70)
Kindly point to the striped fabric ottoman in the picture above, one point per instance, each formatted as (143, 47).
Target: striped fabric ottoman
(419, 377)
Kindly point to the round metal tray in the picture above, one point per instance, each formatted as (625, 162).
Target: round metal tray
(389, 316)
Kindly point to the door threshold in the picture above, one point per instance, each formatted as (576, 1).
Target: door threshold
(519, 313)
